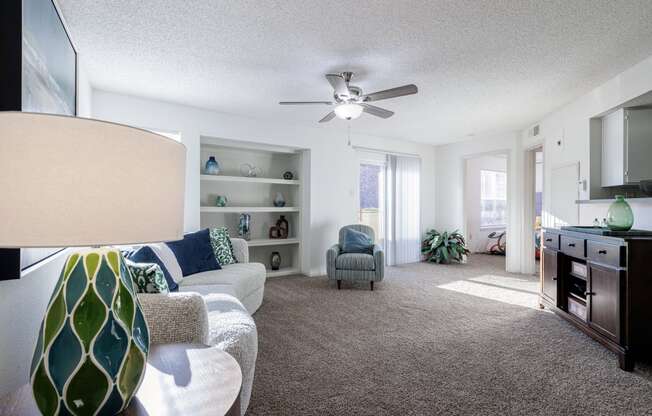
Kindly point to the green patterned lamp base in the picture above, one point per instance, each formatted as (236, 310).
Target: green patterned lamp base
(92, 346)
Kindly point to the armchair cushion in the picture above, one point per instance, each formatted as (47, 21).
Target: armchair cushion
(355, 261)
(356, 242)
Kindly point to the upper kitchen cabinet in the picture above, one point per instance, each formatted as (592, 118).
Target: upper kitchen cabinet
(626, 147)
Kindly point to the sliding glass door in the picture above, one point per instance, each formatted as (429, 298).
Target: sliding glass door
(389, 202)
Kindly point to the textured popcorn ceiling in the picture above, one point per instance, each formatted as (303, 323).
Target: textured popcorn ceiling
(481, 66)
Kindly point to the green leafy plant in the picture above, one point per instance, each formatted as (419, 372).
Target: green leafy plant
(444, 247)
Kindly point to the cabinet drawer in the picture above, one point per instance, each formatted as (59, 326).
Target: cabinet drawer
(551, 240)
(574, 247)
(605, 253)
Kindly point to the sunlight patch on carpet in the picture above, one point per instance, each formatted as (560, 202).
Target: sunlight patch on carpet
(511, 290)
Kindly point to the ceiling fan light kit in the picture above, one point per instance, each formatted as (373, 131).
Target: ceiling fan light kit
(350, 102)
(348, 111)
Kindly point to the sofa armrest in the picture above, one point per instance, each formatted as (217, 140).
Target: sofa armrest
(331, 257)
(240, 250)
(175, 317)
(379, 261)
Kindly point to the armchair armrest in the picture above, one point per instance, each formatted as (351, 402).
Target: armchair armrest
(379, 261)
(175, 317)
(240, 250)
(331, 257)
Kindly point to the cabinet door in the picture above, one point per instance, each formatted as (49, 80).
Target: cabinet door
(638, 145)
(603, 298)
(613, 149)
(549, 275)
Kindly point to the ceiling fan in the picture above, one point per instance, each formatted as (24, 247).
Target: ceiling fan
(350, 102)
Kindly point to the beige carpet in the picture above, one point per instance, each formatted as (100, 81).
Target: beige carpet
(452, 340)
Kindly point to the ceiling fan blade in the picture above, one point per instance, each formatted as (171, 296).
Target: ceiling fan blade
(376, 111)
(338, 84)
(328, 117)
(304, 102)
(391, 93)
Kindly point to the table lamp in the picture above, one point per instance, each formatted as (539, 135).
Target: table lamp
(75, 182)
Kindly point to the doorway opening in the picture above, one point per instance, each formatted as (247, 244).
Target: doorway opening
(485, 207)
(533, 208)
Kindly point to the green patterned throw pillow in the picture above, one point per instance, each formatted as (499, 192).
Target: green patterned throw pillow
(148, 277)
(222, 246)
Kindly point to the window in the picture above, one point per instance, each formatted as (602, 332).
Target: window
(372, 186)
(493, 198)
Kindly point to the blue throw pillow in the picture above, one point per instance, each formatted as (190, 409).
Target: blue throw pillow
(356, 242)
(145, 254)
(194, 253)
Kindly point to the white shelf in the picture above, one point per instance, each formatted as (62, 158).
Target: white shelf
(247, 209)
(272, 242)
(255, 196)
(283, 271)
(224, 178)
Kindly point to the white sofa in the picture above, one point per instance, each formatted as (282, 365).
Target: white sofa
(213, 308)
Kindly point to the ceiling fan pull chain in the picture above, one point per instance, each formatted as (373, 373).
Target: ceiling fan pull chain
(348, 126)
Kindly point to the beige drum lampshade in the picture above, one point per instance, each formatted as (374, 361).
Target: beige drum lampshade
(67, 181)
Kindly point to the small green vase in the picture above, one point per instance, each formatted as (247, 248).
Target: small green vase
(620, 216)
(220, 201)
(93, 343)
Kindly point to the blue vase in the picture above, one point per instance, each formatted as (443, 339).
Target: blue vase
(244, 226)
(212, 166)
(279, 201)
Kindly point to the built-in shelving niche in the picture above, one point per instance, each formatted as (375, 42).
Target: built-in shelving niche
(255, 196)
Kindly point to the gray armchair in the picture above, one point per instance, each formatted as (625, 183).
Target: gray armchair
(355, 266)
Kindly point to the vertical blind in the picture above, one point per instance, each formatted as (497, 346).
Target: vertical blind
(403, 219)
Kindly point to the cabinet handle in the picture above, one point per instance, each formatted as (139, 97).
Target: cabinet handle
(571, 244)
(602, 251)
(549, 240)
(589, 293)
(554, 278)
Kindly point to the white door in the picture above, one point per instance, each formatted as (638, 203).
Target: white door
(564, 209)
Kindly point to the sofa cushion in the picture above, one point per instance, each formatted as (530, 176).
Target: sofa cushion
(169, 260)
(194, 253)
(148, 277)
(356, 242)
(222, 247)
(238, 279)
(355, 261)
(145, 254)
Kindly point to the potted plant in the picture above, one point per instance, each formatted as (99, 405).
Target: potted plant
(444, 247)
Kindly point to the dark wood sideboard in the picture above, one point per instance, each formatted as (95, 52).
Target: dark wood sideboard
(602, 285)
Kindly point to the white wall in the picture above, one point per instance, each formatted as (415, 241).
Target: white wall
(570, 124)
(449, 171)
(333, 170)
(477, 236)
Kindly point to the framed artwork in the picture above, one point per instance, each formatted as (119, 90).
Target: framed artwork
(49, 61)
